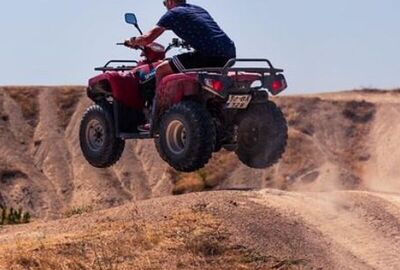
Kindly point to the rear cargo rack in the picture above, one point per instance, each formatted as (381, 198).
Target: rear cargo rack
(107, 67)
(229, 67)
(267, 74)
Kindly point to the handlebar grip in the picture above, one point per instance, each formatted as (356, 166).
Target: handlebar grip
(125, 43)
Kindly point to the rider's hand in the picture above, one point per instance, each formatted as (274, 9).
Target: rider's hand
(130, 43)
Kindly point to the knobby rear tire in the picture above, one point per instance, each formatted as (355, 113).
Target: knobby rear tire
(262, 135)
(199, 141)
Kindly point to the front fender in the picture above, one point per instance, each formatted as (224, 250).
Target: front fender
(124, 87)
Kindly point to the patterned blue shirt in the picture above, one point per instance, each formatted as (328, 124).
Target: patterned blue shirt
(195, 25)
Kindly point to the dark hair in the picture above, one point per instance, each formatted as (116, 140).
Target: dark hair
(180, 1)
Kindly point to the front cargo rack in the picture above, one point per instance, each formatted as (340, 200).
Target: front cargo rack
(107, 67)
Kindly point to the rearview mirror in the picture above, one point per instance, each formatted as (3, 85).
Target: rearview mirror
(131, 18)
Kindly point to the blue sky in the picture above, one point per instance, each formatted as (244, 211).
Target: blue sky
(322, 45)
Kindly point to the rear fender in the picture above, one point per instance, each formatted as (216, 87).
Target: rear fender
(172, 90)
(175, 88)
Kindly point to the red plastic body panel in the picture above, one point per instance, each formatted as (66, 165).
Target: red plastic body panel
(124, 87)
(244, 76)
(175, 87)
(154, 52)
(145, 67)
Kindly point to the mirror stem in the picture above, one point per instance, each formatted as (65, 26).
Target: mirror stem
(138, 28)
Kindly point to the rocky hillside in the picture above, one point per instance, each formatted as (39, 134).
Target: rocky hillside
(336, 142)
(332, 202)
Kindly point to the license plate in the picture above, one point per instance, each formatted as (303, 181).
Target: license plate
(238, 101)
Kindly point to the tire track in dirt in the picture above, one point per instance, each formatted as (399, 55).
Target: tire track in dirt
(380, 212)
(348, 228)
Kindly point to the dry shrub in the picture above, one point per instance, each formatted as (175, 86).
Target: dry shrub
(375, 91)
(7, 175)
(79, 210)
(299, 116)
(359, 112)
(5, 117)
(206, 244)
(207, 178)
(185, 183)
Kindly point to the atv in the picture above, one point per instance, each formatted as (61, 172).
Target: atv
(191, 114)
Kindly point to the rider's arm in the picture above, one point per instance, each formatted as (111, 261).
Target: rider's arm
(149, 37)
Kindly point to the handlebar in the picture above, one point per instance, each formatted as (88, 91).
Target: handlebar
(176, 42)
(125, 43)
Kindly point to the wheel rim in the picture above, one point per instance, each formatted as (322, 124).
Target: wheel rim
(176, 137)
(95, 135)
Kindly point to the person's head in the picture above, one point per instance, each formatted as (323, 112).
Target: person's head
(173, 3)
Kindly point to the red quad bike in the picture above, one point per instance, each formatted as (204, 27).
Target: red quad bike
(192, 114)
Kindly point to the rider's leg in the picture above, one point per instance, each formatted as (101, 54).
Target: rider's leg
(164, 69)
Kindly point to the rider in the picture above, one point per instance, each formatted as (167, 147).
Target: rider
(193, 24)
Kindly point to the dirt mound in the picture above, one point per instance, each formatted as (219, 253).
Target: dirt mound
(267, 229)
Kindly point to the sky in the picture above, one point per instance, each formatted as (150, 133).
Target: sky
(322, 45)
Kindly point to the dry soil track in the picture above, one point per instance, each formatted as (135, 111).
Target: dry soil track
(257, 230)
